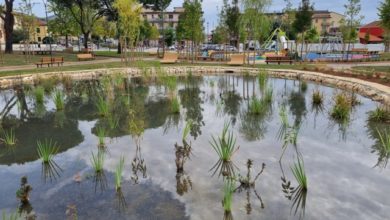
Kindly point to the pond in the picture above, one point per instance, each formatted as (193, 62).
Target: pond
(170, 169)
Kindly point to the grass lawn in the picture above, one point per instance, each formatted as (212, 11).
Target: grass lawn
(113, 53)
(384, 69)
(17, 59)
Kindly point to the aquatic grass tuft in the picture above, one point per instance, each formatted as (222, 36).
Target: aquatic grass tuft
(380, 114)
(102, 106)
(257, 106)
(317, 97)
(187, 129)
(97, 161)
(304, 86)
(299, 173)
(9, 138)
(118, 173)
(268, 95)
(101, 133)
(263, 78)
(228, 190)
(39, 94)
(46, 150)
(11, 216)
(342, 108)
(59, 99)
(225, 145)
(175, 106)
(385, 141)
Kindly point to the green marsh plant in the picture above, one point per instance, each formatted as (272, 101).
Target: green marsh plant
(101, 133)
(187, 130)
(263, 78)
(59, 99)
(46, 150)
(175, 106)
(102, 106)
(39, 94)
(11, 216)
(317, 97)
(118, 173)
(97, 161)
(257, 106)
(9, 138)
(380, 114)
(298, 170)
(341, 108)
(304, 86)
(225, 145)
(384, 141)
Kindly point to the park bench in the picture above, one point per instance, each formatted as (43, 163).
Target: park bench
(44, 61)
(57, 60)
(236, 60)
(169, 58)
(85, 56)
(278, 59)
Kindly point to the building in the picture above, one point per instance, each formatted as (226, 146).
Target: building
(37, 33)
(171, 18)
(371, 33)
(323, 21)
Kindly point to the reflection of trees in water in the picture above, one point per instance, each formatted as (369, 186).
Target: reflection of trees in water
(231, 104)
(297, 104)
(191, 100)
(254, 127)
(372, 130)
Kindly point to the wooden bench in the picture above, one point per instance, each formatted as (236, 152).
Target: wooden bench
(169, 58)
(44, 61)
(57, 60)
(85, 56)
(278, 59)
(236, 60)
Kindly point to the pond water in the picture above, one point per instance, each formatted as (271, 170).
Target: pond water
(345, 168)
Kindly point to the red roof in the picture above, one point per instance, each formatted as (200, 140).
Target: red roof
(372, 24)
(372, 38)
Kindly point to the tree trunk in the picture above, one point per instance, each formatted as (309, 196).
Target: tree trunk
(9, 21)
(66, 41)
(303, 41)
(163, 32)
(86, 36)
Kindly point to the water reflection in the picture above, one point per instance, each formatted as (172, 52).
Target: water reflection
(373, 130)
(183, 180)
(50, 171)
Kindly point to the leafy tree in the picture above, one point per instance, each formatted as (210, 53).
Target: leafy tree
(218, 36)
(351, 22)
(384, 15)
(233, 20)
(19, 35)
(7, 15)
(303, 19)
(169, 37)
(129, 22)
(63, 23)
(312, 35)
(84, 12)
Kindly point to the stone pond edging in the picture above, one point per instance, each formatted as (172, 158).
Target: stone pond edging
(374, 91)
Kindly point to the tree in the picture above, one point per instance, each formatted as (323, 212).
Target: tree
(303, 19)
(312, 35)
(84, 12)
(384, 16)
(129, 22)
(6, 14)
(158, 5)
(232, 20)
(63, 23)
(352, 22)
(169, 37)
(254, 21)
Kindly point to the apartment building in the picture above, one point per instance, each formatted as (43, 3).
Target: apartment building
(326, 21)
(37, 34)
(171, 18)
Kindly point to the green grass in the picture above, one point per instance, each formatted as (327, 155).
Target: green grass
(341, 108)
(224, 145)
(113, 53)
(59, 99)
(383, 69)
(46, 150)
(385, 141)
(380, 114)
(18, 59)
(39, 93)
(187, 129)
(175, 106)
(97, 161)
(317, 97)
(228, 190)
(118, 173)
(299, 173)
(102, 106)
(9, 138)
(101, 134)
(257, 106)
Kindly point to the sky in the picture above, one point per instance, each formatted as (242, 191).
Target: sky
(369, 8)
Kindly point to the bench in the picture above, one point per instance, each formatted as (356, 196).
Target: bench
(57, 60)
(44, 61)
(85, 56)
(236, 60)
(278, 59)
(169, 58)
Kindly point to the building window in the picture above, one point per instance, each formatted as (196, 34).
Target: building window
(38, 30)
(170, 16)
(39, 39)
